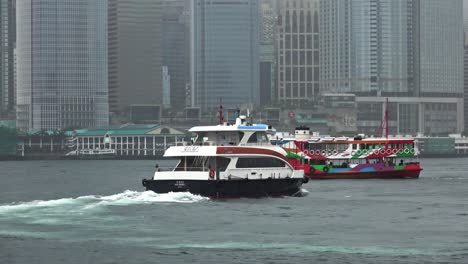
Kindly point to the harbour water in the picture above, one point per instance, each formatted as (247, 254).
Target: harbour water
(97, 212)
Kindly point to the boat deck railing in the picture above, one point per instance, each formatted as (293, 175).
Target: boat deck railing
(210, 143)
(182, 169)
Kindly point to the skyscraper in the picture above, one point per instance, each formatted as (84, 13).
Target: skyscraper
(298, 51)
(7, 45)
(267, 29)
(465, 88)
(175, 35)
(135, 64)
(408, 50)
(61, 64)
(364, 46)
(224, 48)
(439, 52)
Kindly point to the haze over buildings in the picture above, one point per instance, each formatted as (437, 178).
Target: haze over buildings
(268, 65)
(61, 64)
(175, 38)
(294, 55)
(298, 52)
(225, 53)
(7, 45)
(399, 49)
(135, 63)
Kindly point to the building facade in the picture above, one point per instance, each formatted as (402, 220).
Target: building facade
(439, 63)
(175, 31)
(7, 45)
(364, 46)
(61, 64)
(465, 88)
(267, 33)
(135, 63)
(298, 52)
(225, 53)
(397, 49)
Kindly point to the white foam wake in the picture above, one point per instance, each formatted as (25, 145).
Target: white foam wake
(91, 201)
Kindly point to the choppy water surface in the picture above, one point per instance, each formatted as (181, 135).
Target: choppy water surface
(98, 212)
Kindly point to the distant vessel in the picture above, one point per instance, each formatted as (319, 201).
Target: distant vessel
(352, 158)
(229, 160)
(92, 152)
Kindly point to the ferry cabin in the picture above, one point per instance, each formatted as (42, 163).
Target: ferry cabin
(226, 163)
(343, 151)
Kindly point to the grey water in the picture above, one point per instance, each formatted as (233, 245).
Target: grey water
(98, 212)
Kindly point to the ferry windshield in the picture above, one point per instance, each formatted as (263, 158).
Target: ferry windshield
(218, 138)
(259, 137)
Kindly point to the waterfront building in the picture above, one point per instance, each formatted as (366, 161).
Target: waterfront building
(124, 140)
(225, 53)
(61, 64)
(175, 36)
(7, 45)
(134, 48)
(298, 52)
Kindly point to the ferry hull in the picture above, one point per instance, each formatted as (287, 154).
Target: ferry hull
(403, 174)
(228, 188)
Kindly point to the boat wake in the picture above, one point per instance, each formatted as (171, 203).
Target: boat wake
(92, 201)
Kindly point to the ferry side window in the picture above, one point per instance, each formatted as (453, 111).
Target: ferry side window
(253, 138)
(354, 146)
(262, 138)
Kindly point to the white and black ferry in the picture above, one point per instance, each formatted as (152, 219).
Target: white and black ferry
(229, 160)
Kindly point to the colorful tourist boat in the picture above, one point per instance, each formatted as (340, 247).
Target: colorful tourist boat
(351, 158)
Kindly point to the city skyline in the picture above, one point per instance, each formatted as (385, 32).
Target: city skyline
(175, 54)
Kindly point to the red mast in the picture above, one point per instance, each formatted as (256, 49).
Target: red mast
(220, 113)
(386, 124)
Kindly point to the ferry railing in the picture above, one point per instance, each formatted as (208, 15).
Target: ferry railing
(211, 143)
(182, 169)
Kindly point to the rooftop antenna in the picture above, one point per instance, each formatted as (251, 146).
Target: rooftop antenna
(220, 113)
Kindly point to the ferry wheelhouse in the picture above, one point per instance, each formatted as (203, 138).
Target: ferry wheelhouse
(229, 160)
(351, 158)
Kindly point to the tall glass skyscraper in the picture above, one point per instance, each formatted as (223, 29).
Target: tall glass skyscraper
(225, 53)
(175, 39)
(135, 63)
(364, 46)
(408, 50)
(61, 64)
(7, 45)
(439, 52)
(298, 51)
